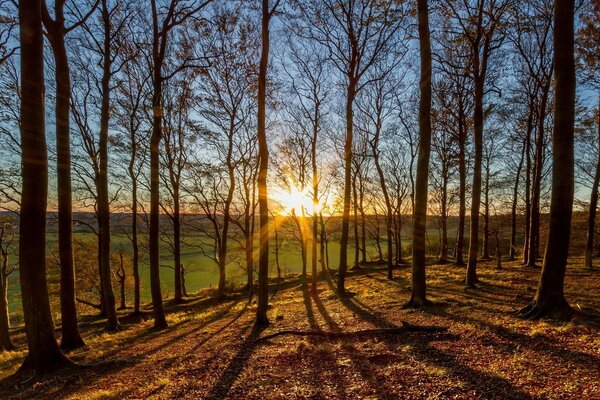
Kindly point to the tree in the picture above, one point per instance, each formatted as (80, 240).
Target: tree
(588, 37)
(43, 352)
(418, 296)
(479, 25)
(131, 96)
(56, 32)
(263, 156)
(166, 19)
(227, 100)
(179, 134)
(357, 35)
(7, 235)
(549, 300)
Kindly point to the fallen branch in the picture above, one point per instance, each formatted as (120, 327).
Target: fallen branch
(406, 327)
(89, 303)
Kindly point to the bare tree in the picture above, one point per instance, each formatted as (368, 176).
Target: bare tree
(44, 354)
(418, 296)
(549, 300)
(166, 20)
(267, 12)
(56, 30)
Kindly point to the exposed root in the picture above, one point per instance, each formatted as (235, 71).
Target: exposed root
(406, 327)
(414, 304)
(535, 310)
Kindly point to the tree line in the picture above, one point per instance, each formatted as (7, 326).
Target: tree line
(161, 109)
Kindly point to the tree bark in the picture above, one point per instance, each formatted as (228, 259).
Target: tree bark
(462, 191)
(5, 341)
(350, 95)
(513, 211)
(44, 354)
(263, 154)
(103, 194)
(419, 287)
(549, 300)
(589, 243)
(471, 278)
(534, 225)
(71, 337)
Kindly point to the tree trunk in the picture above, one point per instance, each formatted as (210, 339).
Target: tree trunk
(178, 295)
(263, 154)
(102, 189)
(355, 220)
(549, 300)
(134, 242)
(71, 337)
(471, 278)
(44, 354)
(462, 192)
(363, 223)
(5, 342)
(534, 225)
(528, 183)
(160, 321)
(513, 211)
(589, 243)
(351, 93)
(486, 212)
(444, 218)
(419, 287)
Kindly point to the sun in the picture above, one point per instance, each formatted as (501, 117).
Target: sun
(294, 200)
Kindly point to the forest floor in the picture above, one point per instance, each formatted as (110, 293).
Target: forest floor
(212, 349)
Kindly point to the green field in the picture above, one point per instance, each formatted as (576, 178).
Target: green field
(201, 271)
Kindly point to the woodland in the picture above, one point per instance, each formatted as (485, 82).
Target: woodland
(288, 199)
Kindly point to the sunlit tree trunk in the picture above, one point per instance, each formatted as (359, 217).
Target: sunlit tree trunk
(263, 154)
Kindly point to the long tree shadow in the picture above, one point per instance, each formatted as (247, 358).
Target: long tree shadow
(221, 389)
(364, 368)
(474, 380)
(542, 344)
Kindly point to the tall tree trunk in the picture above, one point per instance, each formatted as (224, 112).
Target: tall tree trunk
(388, 204)
(350, 95)
(102, 189)
(486, 212)
(419, 287)
(263, 154)
(513, 210)
(549, 300)
(534, 225)
(528, 183)
(355, 220)
(589, 243)
(5, 342)
(71, 338)
(462, 191)
(178, 286)
(135, 264)
(363, 222)
(444, 218)
(479, 72)
(44, 354)
(160, 321)
(315, 190)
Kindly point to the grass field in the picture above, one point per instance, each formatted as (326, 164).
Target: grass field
(201, 271)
